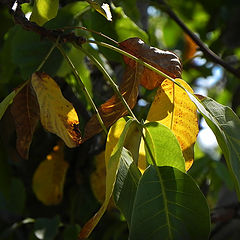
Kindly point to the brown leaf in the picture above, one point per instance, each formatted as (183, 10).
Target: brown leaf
(165, 61)
(25, 111)
(113, 109)
(135, 74)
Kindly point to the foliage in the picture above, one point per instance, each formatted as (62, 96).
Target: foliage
(78, 161)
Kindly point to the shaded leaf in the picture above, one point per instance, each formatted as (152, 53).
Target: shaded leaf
(126, 184)
(25, 111)
(113, 109)
(102, 8)
(169, 205)
(173, 108)
(226, 126)
(49, 177)
(111, 172)
(8, 100)
(164, 146)
(57, 114)
(165, 61)
(44, 10)
(46, 228)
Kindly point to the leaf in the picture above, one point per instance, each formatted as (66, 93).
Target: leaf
(25, 111)
(111, 172)
(173, 108)
(113, 109)
(46, 228)
(57, 114)
(126, 184)
(226, 126)
(8, 100)
(126, 28)
(163, 146)
(169, 205)
(165, 61)
(44, 10)
(190, 48)
(49, 177)
(103, 8)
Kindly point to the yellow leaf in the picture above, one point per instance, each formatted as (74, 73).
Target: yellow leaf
(49, 177)
(57, 114)
(173, 108)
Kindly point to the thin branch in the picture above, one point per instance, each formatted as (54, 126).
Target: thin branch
(82, 87)
(207, 52)
(49, 34)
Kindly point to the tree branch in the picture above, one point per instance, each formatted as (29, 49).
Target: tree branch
(51, 35)
(206, 51)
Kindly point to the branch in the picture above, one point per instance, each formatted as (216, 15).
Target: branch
(52, 35)
(207, 52)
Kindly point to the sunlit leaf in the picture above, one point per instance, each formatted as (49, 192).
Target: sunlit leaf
(25, 111)
(57, 114)
(173, 108)
(226, 126)
(190, 48)
(111, 173)
(49, 177)
(126, 28)
(164, 146)
(165, 61)
(102, 8)
(44, 10)
(169, 205)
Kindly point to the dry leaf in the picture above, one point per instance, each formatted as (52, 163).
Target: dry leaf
(190, 48)
(25, 111)
(49, 177)
(165, 61)
(57, 114)
(173, 108)
(113, 109)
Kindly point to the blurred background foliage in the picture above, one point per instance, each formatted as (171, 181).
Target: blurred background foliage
(216, 22)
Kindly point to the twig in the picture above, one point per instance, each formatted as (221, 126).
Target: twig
(82, 87)
(207, 52)
(49, 34)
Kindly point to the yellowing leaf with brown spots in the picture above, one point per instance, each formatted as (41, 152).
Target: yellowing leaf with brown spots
(49, 177)
(57, 114)
(173, 108)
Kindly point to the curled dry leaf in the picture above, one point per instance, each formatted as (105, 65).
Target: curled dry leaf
(25, 111)
(165, 61)
(49, 177)
(173, 108)
(135, 74)
(57, 114)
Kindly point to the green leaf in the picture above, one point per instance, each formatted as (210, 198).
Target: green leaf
(126, 184)
(112, 165)
(102, 8)
(226, 126)
(126, 28)
(169, 205)
(8, 100)
(45, 228)
(164, 146)
(44, 10)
